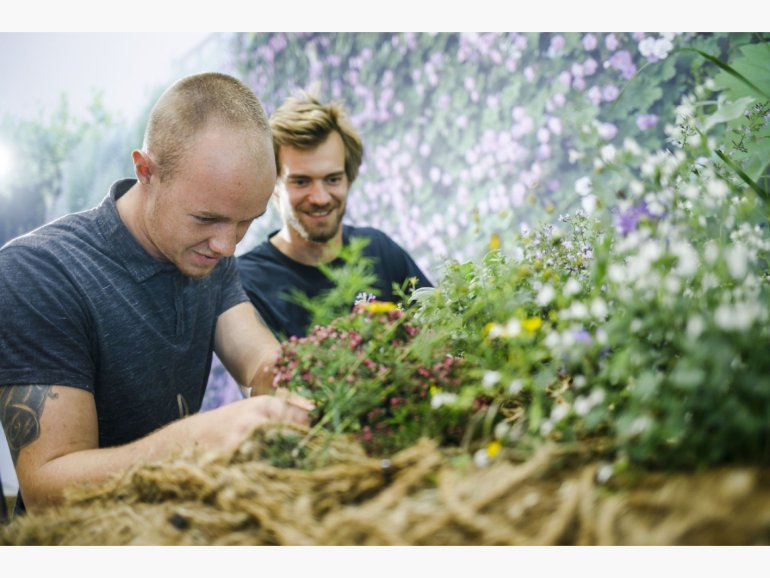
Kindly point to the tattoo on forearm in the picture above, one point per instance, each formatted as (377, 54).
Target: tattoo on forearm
(20, 411)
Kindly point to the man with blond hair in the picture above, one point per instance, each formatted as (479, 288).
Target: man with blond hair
(111, 315)
(317, 156)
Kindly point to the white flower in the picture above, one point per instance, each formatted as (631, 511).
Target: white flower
(503, 431)
(717, 189)
(579, 381)
(589, 203)
(672, 284)
(496, 331)
(559, 412)
(551, 340)
(687, 259)
(481, 458)
(711, 252)
(572, 287)
(639, 425)
(632, 146)
(582, 406)
(490, 378)
(616, 273)
(583, 186)
(577, 310)
(599, 308)
(695, 326)
(737, 261)
(604, 473)
(608, 153)
(512, 328)
(546, 295)
(515, 386)
(601, 336)
(442, 398)
(574, 156)
(597, 396)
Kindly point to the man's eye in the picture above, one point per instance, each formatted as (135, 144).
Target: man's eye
(205, 220)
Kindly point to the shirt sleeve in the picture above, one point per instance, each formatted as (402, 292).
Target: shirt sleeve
(44, 332)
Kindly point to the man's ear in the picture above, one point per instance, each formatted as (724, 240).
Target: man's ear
(144, 168)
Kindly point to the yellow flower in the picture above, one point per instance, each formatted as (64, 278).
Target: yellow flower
(532, 324)
(494, 242)
(494, 448)
(380, 306)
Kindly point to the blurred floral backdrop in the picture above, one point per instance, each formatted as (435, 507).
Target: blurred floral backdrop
(470, 136)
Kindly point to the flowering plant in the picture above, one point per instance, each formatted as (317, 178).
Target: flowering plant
(364, 379)
(645, 328)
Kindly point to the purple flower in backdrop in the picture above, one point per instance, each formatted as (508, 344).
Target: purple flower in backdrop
(557, 43)
(627, 221)
(610, 92)
(646, 121)
(607, 130)
(594, 95)
(529, 74)
(582, 336)
(623, 62)
(611, 42)
(589, 41)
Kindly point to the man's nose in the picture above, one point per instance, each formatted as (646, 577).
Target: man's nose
(318, 193)
(224, 242)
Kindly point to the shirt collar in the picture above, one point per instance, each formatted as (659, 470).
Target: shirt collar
(124, 245)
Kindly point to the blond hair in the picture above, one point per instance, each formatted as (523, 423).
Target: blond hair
(303, 122)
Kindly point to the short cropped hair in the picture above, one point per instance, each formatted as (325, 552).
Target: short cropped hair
(303, 122)
(188, 105)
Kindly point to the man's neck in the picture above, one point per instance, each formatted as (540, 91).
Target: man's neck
(304, 251)
(129, 207)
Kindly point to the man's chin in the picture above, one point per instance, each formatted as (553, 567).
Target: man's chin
(321, 238)
(195, 272)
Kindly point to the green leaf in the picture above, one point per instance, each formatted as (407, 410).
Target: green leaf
(727, 111)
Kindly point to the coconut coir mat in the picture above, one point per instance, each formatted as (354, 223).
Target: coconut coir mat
(280, 489)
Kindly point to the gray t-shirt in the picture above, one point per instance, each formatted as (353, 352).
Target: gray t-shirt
(82, 304)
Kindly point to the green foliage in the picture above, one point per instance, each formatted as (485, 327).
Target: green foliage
(354, 278)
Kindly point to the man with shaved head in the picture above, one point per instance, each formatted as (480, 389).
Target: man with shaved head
(111, 315)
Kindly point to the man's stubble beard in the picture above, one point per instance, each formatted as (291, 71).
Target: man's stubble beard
(319, 238)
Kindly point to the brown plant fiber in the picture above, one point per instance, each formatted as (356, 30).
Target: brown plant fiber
(418, 498)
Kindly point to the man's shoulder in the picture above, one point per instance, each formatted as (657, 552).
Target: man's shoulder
(378, 240)
(56, 238)
(259, 252)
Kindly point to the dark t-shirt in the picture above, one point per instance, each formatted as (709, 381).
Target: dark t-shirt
(268, 276)
(82, 304)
